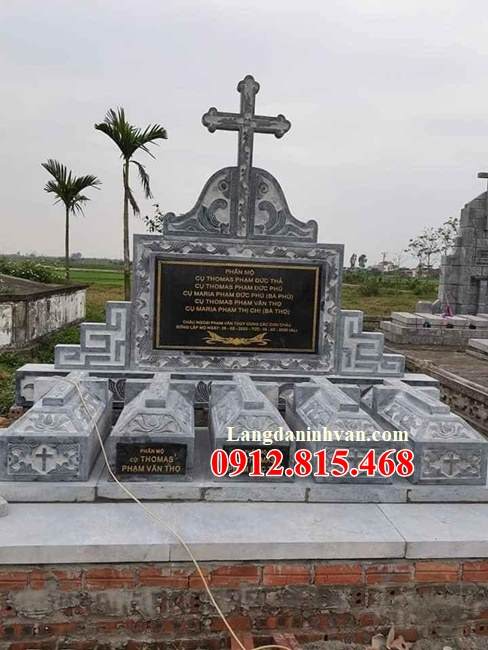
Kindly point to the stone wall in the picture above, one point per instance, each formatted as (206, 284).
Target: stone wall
(164, 607)
(30, 317)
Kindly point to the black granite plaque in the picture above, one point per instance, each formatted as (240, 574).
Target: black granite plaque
(236, 306)
(140, 459)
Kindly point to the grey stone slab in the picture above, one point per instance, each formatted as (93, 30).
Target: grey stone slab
(55, 533)
(477, 322)
(150, 491)
(246, 531)
(443, 530)
(276, 493)
(3, 507)
(341, 493)
(407, 318)
(447, 494)
(481, 345)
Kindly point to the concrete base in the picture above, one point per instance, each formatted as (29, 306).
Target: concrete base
(118, 532)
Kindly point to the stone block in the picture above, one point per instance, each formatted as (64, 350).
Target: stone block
(3, 507)
(362, 353)
(407, 318)
(447, 449)
(238, 408)
(324, 416)
(154, 437)
(56, 440)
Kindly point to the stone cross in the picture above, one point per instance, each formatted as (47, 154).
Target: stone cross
(44, 455)
(247, 123)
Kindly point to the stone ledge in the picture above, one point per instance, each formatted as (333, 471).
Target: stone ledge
(120, 532)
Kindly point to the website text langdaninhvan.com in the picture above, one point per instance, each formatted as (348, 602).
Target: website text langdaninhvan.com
(268, 437)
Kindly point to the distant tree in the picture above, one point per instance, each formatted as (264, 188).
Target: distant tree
(156, 222)
(363, 260)
(424, 247)
(68, 189)
(130, 139)
(447, 234)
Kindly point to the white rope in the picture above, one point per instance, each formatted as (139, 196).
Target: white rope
(166, 526)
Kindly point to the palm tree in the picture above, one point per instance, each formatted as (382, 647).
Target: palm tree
(67, 188)
(130, 139)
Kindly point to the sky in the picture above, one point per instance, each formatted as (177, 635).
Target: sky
(388, 103)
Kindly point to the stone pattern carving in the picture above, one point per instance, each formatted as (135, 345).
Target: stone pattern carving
(56, 439)
(144, 356)
(214, 215)
(438, 438)
(320, 405)
(211, 214)
(160, 413)
(362, 353)
(102, 345)
(31, 458)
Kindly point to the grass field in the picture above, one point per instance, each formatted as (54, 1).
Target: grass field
(107, 284)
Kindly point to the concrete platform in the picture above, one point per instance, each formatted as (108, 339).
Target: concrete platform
(121, 532)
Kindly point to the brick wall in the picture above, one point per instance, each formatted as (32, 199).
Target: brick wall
(164, 607)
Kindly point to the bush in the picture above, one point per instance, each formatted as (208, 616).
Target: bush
(29, 270)
(370, 288)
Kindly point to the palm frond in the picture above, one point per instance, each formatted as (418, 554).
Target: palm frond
(66, 186)
(77, 204)
(81, 183)
(133, 202)
(129, 138)
(144, 177)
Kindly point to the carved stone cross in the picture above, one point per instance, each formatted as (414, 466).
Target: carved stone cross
(247, 123)
(44, 455)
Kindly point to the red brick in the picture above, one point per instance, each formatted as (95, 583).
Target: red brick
(392, 573)
(10, 580)
(68, 580)
(286, 574)
(161, 577)
(438, 572)
(338, 574)
(37, 579)
(195, 582)
(475, 571)
(368, 619)
(237, 623)
(109, 578)
(235, 575)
